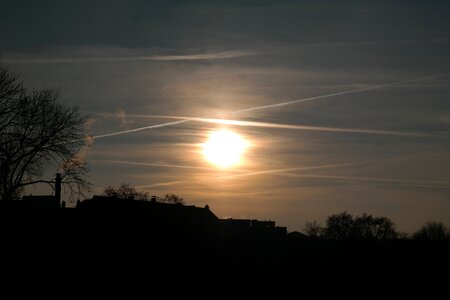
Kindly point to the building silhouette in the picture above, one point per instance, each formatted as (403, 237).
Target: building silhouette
(38, 201)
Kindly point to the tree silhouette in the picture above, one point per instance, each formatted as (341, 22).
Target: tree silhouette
(432, 231)
(368, 227)
(38, 133)
(313, 229)
(344, 226)
(171, 199)
(340, 226)
(125, 191)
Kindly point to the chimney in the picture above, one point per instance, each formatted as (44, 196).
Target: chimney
(58, 189)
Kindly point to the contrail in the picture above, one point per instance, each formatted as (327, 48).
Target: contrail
(412, 183)
(296, 127)
(374, 87)
(400, 182)
(156, 165)
(138, 129)
(284, 170)
(244, 173)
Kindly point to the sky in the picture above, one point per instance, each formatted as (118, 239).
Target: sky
(372, 136)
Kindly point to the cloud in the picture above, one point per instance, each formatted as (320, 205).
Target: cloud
(89, 141)
(370, 43)
(203, 56)
(121, 117)
(84, 151)
(159, 184)
(183, 57)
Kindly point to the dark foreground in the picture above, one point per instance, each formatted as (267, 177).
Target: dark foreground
(115, 246)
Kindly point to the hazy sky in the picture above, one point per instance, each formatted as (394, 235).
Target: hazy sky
(122, 61)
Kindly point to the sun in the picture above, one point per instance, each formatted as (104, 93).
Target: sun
(224, 148)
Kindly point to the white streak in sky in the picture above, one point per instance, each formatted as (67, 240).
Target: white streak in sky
(187, 57)
(280, 104)
(390, 181)
(138, 129)
(284, 170)
(296, 127)
(372, 87)
(155, 165)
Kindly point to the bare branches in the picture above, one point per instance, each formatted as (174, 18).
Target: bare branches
(74, 174)
(125, 191)
(36, 131)
(171, 199)
(10, 86)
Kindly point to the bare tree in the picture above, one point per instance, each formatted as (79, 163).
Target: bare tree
(125, 191)
(344, 226)
(368, 227)
(432, 231)
(171, 199)
(38, 133)
(340, 226)
(313, 229)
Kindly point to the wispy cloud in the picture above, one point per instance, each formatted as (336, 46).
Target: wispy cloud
(375, 42)
(285, 170)
(390, 181)
(120, 116)
(185, 57)
(159, 184)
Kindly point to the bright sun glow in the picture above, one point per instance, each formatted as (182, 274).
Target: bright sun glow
(224, 148)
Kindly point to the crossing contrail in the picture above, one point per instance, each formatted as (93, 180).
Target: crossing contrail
(297, 127)
(280, 104)
(156, 165)
(138, 129)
